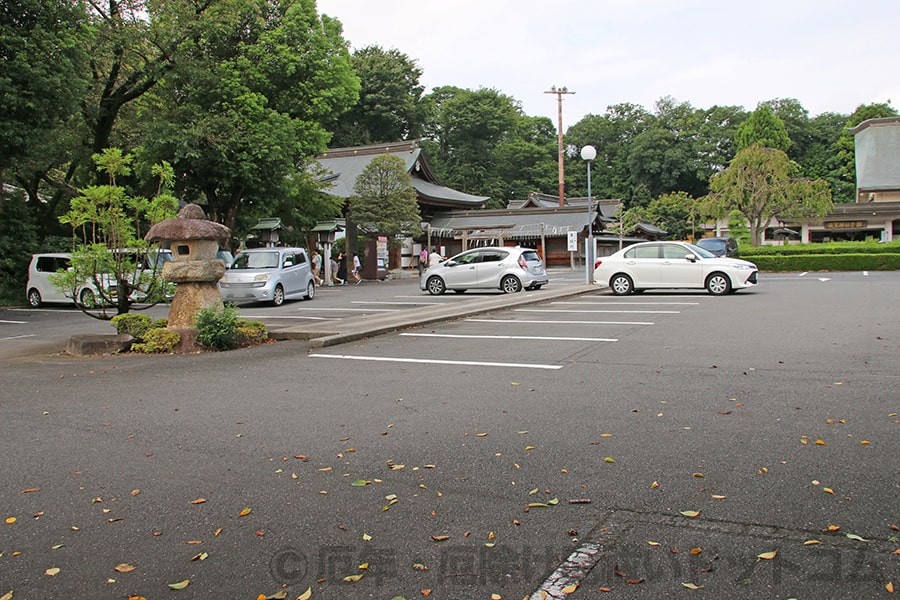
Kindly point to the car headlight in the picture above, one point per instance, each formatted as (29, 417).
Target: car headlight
(262, 277)
(744, 267)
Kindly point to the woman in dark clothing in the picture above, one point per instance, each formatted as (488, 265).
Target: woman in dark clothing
(342, 268)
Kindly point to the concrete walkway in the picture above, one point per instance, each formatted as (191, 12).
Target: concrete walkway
(321, 334)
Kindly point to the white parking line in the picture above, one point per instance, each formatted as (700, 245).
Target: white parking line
(560, 322)
(14, 322)
(317, 309)
(397, 303)
(276, 317)
(643, 312)
(627, 303)
(430, 361)
(17, 337)
(511, 337)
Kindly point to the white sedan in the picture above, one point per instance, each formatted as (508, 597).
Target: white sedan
(651, 265)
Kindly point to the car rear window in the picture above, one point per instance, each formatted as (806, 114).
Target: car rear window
(531, 256)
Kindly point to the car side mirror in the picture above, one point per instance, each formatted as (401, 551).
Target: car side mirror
(449, 263)
(690, 258)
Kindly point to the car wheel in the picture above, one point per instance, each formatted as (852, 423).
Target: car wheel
(435, 286)
(718, 284)
(621, 284)
(87, 298)
(460, 291)
(310, 290)
(278, 296)
(34, 298)
(510, 284)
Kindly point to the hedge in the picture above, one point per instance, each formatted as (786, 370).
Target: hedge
(826, 262)
(830, 248)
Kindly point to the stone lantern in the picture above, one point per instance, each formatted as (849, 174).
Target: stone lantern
(194, 241)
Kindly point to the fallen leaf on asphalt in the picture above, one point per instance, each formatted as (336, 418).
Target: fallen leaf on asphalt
(7, 596)
(124, 568)
(718, 497)
(853, 536)
(496, 597)
(691, 586)
(828, 490)
(51, 571)
(889, 587)
(767, 555)
(360, 483)
(201, 556)
(811, 542)
(654, 485)
(480, 435)
(821, 443)
(605, 590)
(353, 578)
(198, 501)
(634, 581)
(654, 543)
(245, 512)
(10, 520)
(180, 585)
(570, 589)
(28, 491)
(690, 513)
(419, 567)
(609, 459)
(366, 537)
(440, 538)
(696, 551)
(305, 595)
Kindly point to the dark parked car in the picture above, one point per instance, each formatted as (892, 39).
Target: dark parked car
(720, 246)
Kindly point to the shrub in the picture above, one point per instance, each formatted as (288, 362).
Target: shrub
(158, 340)
(251, 332)
(218, 329)
(135, 325)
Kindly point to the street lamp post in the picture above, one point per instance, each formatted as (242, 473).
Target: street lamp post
(588, 154)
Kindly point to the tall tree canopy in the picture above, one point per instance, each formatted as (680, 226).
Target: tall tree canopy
(763, 128)
(763, 183)
(242, 113)
(389, 108)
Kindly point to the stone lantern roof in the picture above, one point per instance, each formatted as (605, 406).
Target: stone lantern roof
(190, 224)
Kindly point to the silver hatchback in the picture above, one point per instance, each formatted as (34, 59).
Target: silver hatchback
(506, 269)
(268, 275)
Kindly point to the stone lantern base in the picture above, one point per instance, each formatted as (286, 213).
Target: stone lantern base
(189, 299)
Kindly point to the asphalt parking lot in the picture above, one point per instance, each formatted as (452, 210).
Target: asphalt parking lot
(653, 445)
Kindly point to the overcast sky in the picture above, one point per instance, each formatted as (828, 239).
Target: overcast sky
(831, 56)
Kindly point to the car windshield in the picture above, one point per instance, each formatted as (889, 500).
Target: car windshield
(256, 260)
(712, 244)
(702, 252)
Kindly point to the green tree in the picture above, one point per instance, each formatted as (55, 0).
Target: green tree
(676, 212)
(467, 128)
(42, 82)
(110, 253)
(384, 199)
(243, 113)
(763, 128)
(612, 134)
(389, 108)
(763, 183)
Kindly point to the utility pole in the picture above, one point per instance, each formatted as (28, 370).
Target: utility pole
(559, 94)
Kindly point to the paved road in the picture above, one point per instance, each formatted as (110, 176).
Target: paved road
(651, 407)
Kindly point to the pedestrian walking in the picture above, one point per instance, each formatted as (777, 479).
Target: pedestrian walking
(423, 260)
(317, 266)
(357, 276)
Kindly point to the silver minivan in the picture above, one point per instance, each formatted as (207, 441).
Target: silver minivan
(268, 275)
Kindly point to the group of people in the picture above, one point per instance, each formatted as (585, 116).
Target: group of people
(428, 259)
(338, 269)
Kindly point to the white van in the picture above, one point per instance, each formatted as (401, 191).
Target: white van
(39, 290)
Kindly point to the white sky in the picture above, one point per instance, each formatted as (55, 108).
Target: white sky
(830, 55)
